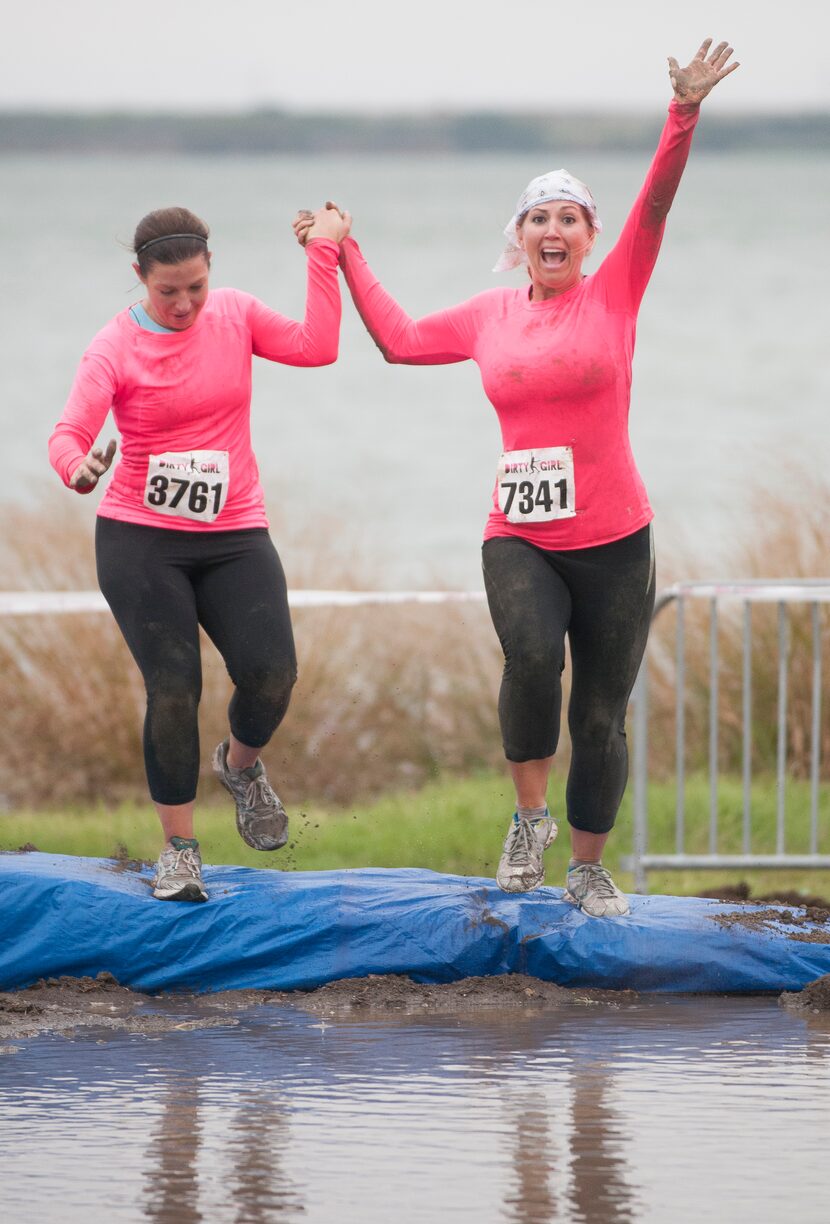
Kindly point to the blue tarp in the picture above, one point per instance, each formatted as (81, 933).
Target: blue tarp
(286, 930)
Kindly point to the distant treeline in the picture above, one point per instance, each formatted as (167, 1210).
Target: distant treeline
(277, 131)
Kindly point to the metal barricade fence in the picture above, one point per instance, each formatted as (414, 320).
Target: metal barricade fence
(784, 593)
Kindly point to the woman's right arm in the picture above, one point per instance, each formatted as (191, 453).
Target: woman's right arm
(71, 451)
(436, 339)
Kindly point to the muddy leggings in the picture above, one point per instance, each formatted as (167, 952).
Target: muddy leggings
(161, 585)
(602, 598)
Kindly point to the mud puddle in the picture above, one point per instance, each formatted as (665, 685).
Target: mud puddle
(474, 1102)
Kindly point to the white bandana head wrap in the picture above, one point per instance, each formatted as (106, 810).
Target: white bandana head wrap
(555, 185)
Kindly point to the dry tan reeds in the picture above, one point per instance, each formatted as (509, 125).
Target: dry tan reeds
(387, 696)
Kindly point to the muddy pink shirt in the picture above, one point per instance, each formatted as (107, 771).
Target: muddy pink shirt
(557, 372)
(191, 391)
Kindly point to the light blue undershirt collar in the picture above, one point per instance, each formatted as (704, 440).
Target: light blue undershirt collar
(141, 317)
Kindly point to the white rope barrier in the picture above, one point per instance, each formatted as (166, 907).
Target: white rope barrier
(28, 603)
(756, 590)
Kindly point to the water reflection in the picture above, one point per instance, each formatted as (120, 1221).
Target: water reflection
(584, 1173)
(172, 1180)
(531, 1199)
(261, 1189)
(254, 1181)
(600, 1193)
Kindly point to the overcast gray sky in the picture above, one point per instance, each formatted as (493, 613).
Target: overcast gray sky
(381, 55)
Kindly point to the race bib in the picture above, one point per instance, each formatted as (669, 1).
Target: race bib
(191, 485)
(535, 486)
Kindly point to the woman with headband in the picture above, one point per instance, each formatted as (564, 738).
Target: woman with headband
(182, 536)
(567, 548)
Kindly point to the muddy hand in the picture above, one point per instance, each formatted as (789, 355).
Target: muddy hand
(693, 83)
(302, 223)
(91, 469)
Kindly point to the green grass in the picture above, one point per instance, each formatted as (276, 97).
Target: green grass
(453, 825)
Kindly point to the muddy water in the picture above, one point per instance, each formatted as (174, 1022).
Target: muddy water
(648, 1109)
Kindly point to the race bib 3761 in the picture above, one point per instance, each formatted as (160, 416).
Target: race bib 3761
(190, 484)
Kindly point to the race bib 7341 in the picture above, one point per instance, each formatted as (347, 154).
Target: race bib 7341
(535, 486)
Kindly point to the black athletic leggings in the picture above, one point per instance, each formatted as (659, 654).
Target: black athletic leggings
(603, 598)
(161, 585)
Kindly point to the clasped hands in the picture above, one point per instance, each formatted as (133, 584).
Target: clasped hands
(328, 222)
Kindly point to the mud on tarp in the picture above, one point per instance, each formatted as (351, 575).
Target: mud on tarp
(282, 931)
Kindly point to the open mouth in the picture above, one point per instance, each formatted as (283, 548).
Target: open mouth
(552, 257)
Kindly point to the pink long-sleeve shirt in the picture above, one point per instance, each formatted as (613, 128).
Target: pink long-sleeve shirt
(189, 393)
(557, 372)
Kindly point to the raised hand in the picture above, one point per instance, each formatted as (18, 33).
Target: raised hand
(692, 84)
(329, 222)
(90, 470)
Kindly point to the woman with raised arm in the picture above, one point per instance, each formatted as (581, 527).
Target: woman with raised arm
(182, 536)
(567, 547)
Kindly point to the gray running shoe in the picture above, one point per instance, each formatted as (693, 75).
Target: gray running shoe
(520, 866)
(179, 872)
(591, 888)
(260, 817)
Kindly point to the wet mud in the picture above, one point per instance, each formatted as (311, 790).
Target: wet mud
(64, 1005)
(382, 994)
(741, 891)
(815, 997)
(122, 862)
(808, 916)
(809, 924)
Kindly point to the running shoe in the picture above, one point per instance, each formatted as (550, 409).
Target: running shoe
(260, 817)
(520, 866)
(591, 888)
(179, 872)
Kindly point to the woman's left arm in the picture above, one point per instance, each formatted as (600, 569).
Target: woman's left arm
(632, 260)
(314, 342)
(690, 85)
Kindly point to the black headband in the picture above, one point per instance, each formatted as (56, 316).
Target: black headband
(169, 238)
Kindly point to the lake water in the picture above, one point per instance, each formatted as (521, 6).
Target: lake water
(674, 1109)
(396, 463)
